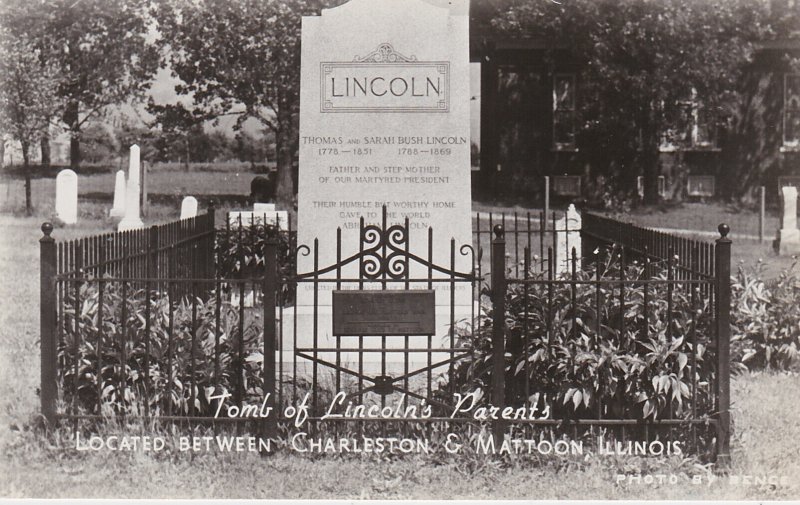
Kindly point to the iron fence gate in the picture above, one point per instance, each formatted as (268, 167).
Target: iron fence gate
(380, 365)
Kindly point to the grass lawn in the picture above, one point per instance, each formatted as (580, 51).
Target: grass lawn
(766, 441)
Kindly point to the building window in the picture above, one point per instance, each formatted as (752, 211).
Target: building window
(693, 127)
(564, 111)
(791, 110)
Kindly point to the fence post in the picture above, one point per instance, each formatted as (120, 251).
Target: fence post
(47, 320)
(722, 277)
(211, 265)
(761, 213)
(546, 196)
(270, 288)
(498, 327)
(152, 258)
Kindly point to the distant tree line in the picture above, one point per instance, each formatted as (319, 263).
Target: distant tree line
(101, 143)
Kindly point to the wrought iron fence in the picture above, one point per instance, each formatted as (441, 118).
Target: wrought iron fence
(131, 341)
(535, 231)
(636, 295)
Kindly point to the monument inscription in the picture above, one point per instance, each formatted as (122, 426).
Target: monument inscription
(385, 81)
(384, 121)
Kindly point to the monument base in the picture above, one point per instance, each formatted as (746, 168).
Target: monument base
(788, 242)
(301, 321)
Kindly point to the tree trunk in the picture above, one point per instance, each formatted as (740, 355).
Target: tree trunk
(45, 147)
(72, 118)
(74, 151)
(284, 190)
(2, 153)
(186, 153)
(26, 170)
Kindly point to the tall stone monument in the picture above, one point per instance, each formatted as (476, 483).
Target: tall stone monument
(132, 219)
(67, 196)
(385, 121)
(788, 240)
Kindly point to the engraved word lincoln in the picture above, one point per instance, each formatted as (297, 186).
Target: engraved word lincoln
(385, 81)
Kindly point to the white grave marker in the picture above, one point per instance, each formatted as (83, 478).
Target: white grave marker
(67, 196)
(188, 207)
(132, 219)
(118, 209)
(788, 241)
(568, 236)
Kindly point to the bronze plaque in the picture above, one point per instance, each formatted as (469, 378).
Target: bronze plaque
(389, 312)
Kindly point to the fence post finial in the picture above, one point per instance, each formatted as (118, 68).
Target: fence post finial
(724, 229)
(47, 228)
(499, 231)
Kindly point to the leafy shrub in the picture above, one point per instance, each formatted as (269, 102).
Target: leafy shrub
(590, 369)
(240, 253)
(96, 333)
(765, 318)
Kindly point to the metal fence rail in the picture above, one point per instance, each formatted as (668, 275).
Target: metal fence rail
(689, 257)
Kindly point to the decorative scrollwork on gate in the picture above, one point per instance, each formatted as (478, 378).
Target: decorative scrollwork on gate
(384, 253)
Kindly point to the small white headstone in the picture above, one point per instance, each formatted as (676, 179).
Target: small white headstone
(249, 298)
(67, 196)
(789, 207)
(118, 209)
(188, 207)
(132, 219)
(568, 236)
(263, 207)
(788, 241)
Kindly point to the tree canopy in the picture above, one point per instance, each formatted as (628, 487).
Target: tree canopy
(103, 53)
(241, 58)
(644, 59)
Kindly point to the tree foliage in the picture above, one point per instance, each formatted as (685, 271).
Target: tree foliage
(103, 52)
(27, 96)
(242, 58)
(642, 59)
